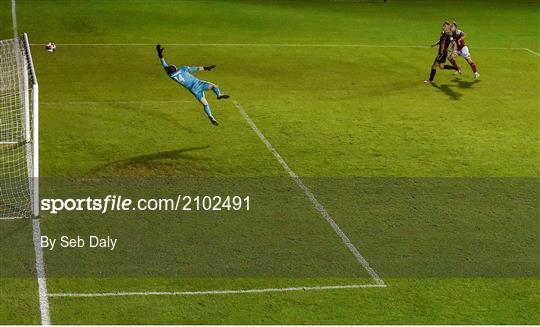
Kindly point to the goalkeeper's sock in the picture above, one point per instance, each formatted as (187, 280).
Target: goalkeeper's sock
(432, 75)
(450, 67)
(207, 110)
(216, 90)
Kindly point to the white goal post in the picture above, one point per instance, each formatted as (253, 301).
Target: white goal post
(19, 142)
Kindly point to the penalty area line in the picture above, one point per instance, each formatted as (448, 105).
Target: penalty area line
(530, 51)
(218, 292)
(318, 206)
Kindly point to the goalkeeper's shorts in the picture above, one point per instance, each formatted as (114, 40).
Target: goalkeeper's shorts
(198, 89)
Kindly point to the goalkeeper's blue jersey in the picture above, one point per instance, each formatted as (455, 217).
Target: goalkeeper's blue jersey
(183, 76)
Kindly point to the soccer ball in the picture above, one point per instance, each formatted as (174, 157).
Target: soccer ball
(51, 47)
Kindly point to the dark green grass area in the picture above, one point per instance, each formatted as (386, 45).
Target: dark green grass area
(18, 286)
(18, 301)
(436, 227)
(436, 185)
(6, 31)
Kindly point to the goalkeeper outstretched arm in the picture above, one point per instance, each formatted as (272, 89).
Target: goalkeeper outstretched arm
(198, 68)
(159, 50)
(191, 69)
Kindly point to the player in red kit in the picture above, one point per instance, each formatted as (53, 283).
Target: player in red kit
(461, 49)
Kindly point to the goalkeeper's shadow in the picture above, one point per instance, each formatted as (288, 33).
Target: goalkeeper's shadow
(153, 163)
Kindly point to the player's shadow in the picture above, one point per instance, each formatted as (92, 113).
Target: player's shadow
(464, 84)
(160, 163)
(446, 88)
(449, 88)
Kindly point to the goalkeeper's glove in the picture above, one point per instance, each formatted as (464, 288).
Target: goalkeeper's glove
(209, 67)
(159, 50)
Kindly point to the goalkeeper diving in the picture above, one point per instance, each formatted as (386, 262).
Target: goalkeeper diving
(194, 85)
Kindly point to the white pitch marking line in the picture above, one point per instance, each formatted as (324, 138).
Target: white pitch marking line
(41, 277)
(36, 229)
(14, 19)
(297, 45)
(216, 292)
(117, 102)
(318, 206)
(534, 53)
(300, 45)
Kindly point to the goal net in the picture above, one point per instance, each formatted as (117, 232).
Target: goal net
(18, 130)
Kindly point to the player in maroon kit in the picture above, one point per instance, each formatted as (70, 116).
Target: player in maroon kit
(461, 49)
(444, 43)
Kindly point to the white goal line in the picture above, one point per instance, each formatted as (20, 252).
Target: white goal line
(218, 292)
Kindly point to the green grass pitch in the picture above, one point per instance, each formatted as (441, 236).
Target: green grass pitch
(437, 186)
